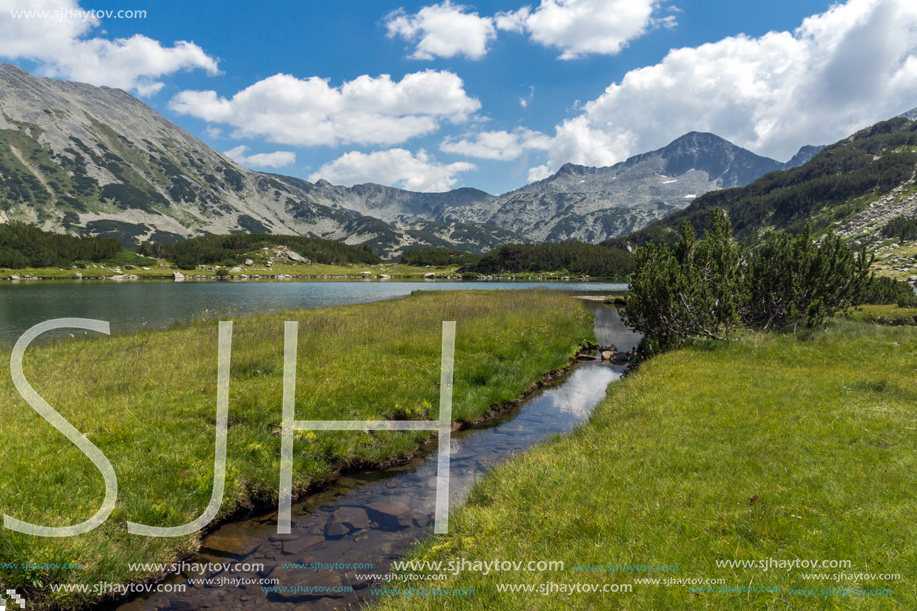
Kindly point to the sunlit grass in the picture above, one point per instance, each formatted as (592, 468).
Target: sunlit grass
(771, 447)
(148, 401)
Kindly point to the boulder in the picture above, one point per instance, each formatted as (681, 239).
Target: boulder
(298, 545)
(429, 275)
(230, 546)
(295, 256)
(178, 276)
(354, 517)
(390, 514)
(249, 262)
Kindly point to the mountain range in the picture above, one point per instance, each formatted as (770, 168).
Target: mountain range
(854, 187)
(97, 161)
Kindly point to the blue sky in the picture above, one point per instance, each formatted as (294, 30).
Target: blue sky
(489, 95)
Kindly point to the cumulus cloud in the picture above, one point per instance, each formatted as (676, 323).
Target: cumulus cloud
(500, 145)
(58, 42)
(576, 27)
(583, 27)
(443, 30)
(277, 159)
(310, 111)
(394, 167)
(841, 70)
(539, 173)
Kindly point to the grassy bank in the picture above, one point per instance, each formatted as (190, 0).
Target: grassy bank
(767, 448)
(148, 402)
(883, 314)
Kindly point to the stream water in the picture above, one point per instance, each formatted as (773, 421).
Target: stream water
(371, 519)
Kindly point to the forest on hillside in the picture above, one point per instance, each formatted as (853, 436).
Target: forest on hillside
(22, 246)
(574, 258)
(228, 250)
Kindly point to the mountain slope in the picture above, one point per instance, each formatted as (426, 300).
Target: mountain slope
(853, 187)
(592, 204)
(95, 160)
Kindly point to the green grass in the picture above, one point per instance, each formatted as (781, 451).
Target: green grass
(148, 402)
(821, 433)
(883, 314)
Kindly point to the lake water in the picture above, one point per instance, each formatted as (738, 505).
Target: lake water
(133, 305)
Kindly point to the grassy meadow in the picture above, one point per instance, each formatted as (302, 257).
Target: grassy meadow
(768, 448)
(148, 401)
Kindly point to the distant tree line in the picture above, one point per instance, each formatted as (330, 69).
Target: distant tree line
(709, 287)
(575, 258)
(228, 249)
(22, 245)
(421, 257)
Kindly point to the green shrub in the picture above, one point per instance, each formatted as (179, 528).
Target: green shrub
(693, 290)
(793, 281)
(706, 288)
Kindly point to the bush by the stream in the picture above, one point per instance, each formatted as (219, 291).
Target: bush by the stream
(707, 288)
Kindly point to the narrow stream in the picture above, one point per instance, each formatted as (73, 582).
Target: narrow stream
(371, 519)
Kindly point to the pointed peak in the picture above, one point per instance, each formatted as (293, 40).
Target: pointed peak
(705, 139)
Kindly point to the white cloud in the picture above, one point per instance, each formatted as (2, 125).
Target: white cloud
(539, 173)
(394, 167)
(309, 112)
(443, 30)
(277, 159)
(59, 45)
(583, 27)
(839, 71)
(501, 145)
